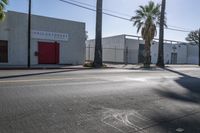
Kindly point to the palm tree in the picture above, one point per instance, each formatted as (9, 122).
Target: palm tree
(98, 41)
(146, 20)
(160, 61)
(3, 3)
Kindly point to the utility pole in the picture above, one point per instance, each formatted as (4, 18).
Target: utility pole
(199, 46)
(29, 36)
(160, 61)
(98, 41)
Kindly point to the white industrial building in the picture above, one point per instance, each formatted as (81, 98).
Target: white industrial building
(130, 49)
(53, 41)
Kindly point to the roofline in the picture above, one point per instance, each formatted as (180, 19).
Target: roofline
(10, 11)
(140, 38)
(165, 40)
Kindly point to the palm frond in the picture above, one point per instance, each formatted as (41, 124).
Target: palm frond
(3, 3)
(146, 19)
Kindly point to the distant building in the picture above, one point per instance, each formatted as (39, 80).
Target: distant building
(130, 49)
(53, 41)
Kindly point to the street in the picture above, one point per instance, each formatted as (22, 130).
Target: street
(100, 100)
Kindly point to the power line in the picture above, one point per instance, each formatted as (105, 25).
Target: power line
(108, 14)
(177, 30)
(90, 5)
(77, 5)
(119, 13)
(93, 6)
(81, 5)
(177, 27)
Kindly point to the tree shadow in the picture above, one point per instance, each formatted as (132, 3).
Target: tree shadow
(152, 68)
(191, 84)
(188, 124)
(184, 113)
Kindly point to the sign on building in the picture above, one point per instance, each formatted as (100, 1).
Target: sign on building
(49, 35)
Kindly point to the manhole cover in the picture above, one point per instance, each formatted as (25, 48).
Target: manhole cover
(180, 130)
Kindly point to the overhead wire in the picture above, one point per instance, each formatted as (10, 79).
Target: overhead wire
(85, 6)
(81, 6)
(93, 6)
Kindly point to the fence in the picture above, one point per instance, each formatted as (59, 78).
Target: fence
(185, 55)
(114, 55)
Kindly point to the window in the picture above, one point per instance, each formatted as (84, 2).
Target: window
(3, 51)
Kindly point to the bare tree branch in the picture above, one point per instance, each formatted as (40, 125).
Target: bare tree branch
(193, 37)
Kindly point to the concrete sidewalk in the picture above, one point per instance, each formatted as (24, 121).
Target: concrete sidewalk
(108, 65)
(153, 66)
(15, 67)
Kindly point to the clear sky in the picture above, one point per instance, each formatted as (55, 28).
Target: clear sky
(180, 13)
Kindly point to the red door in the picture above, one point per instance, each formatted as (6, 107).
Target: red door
(48, 53)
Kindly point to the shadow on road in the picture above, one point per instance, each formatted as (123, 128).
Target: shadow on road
(172, 119)
(36, 74)
(186, 124)
(192, 84)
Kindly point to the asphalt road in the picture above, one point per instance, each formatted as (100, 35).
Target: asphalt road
(100, 101)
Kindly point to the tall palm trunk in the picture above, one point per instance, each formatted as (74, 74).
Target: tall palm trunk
(29, 35)
(199, 46)
(160, 61)
(98, 41)
(147, 58)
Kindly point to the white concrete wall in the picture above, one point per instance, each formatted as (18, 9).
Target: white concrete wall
(182, 53)
(113, 49)
(193, 54)
(154, 52)
(71, 51)
(133, 50)
(181, 50)
(4, 29)
(17, 38)
(186, 53)
(90, 45)
(14, 29)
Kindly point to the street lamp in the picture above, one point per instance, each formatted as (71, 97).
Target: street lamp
(29, 36)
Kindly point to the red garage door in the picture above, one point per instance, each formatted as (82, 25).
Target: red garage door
(48, 53)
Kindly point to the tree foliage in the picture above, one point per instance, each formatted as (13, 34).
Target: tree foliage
(146, 19)
(3, 4)
(193, 37)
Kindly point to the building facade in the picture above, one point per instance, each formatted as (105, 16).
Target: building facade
(53, 41)
(130, 49)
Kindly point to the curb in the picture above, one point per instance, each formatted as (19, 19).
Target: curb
(43, 68)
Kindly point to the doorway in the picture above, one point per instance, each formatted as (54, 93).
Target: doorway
(174, 58)
(141, 53)
(3, 51)
(48, 53)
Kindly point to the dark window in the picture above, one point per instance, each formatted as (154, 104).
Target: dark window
(141, 53)
(3, 51)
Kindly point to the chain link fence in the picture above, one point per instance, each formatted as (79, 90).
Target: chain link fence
(114, 55)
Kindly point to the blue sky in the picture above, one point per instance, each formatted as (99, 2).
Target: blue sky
(180, 13)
